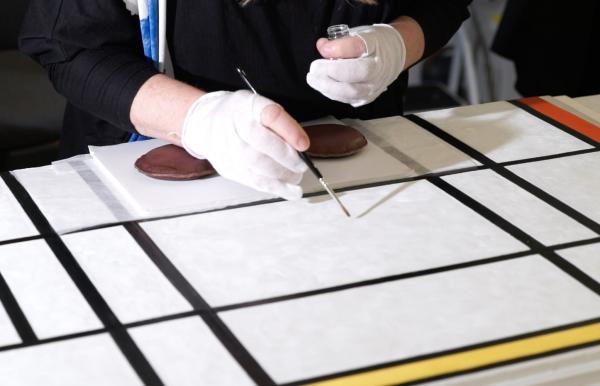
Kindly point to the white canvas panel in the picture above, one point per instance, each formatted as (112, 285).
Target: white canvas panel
(365, 326)
(8, 333)
(89, 361)
(418, 144)
(128, 280)
(50, 300)
(276, 249)
(573, 180)
(65, 198)
(185, 352)
(503, 132)
(521, 208)
(586, 258)
(14, 222)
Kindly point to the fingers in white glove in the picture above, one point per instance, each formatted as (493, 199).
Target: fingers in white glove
(356, 94)
(271, 185)
(367, 76)
(262, 165)
(225, 128)
(345, 70)
(267, 142)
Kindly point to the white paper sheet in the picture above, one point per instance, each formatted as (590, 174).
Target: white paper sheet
(8, 333)
(275, 249)
(574, 180)
(524, 210)
(586, 258)
(50, 300)
(130, 283)
(151, 197)
(418, 144)
(14, 223)
(185, 352)
(64, 198)
(503, 132)
(89, 361)
(592, 102)
(324, 334)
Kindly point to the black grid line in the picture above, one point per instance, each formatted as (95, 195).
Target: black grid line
(555, 123)
(21, 240)
(208, 315)
(16, 314)
(507, 174)
(320, 193)
(519, 234)
(298, 295)
(102, 310)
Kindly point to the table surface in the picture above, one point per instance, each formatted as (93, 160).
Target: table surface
(473, 257)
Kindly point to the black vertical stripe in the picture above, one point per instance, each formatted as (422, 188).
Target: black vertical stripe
(119, 334)
(208, 315)
(15, 313)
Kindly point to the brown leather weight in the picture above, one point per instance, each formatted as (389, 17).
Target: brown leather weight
(171, 162)
(334, 141)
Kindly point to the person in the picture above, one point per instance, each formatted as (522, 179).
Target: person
(532, 31)
(93, 53)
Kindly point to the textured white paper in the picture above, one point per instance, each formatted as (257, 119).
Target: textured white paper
(418, 144)
(128, 280)
(574, 180)
(324, 334)
(524, 210)
(275, 249)
(151, 197)
(14, 223)
(586, 258)
(185, 352)
(50, 300)
(8, 333)
(65, 199)
(89, 361)
(503, 132)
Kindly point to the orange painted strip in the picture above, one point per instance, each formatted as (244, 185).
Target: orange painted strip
(563, 116)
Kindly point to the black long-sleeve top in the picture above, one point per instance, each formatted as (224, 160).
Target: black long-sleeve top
(93, 53)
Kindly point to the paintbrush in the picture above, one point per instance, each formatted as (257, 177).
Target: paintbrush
(304, 157)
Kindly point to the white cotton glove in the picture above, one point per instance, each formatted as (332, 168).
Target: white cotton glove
(225, 127)
(360, 80)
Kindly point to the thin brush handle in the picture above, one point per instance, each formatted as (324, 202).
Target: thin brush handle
(310, 164)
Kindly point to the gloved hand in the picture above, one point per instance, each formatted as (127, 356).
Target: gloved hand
(227, 129)
(374, 57)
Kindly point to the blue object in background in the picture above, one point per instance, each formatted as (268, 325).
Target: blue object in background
(149, 31)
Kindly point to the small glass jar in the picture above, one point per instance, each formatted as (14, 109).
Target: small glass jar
(338, 31)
